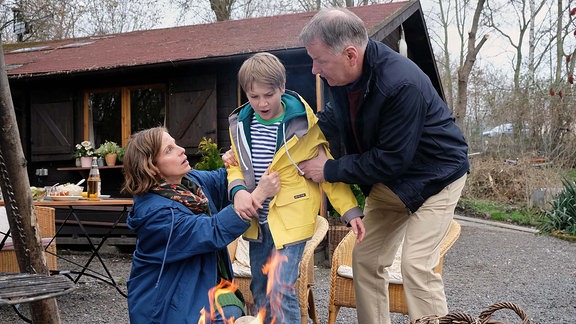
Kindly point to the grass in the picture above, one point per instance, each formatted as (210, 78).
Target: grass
(496, 211)
(571, 174)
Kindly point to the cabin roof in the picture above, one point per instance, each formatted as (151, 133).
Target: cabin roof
(176, 44)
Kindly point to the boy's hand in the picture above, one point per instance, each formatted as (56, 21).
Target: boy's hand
(229, 158)
(268, 186)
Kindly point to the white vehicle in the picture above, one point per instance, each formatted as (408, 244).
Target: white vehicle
(504, 129)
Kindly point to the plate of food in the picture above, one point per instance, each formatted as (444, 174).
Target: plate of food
(65, 198)
(38, 194)
(65, 190)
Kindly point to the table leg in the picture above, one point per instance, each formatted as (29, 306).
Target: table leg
(107, 278)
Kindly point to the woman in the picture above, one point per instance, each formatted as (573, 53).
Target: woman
(183, 224)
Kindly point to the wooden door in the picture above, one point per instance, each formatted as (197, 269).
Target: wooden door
(51, 131)
(192, 111)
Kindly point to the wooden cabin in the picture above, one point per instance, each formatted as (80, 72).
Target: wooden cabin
(107, 87)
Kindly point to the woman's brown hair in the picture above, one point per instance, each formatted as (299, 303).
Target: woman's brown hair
(139, 162)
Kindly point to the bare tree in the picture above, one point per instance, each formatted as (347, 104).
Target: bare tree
(44, 19)
(456, 65)
(207, 11)
(525, 13)
(117, 16)
(465, 70)
(222, 9)
(561, 112)
(443, 20)
(59, 19)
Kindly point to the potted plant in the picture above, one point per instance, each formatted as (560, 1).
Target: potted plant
(210, 155)
(84, 151)
(109, 150)
(121, 152)
(100, 158)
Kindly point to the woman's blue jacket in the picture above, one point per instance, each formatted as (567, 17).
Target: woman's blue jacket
(174, 264)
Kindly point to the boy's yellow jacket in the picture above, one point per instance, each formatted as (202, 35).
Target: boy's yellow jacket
(293, 211)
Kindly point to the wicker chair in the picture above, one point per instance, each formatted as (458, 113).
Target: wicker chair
(47, 227)
(305, 279)
(342, 289)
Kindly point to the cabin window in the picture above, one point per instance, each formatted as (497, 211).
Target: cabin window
(114, 114)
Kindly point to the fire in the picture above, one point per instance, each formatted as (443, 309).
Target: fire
(272, 269)
(223, 287)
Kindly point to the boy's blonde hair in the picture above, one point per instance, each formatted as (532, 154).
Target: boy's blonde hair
(263, 68)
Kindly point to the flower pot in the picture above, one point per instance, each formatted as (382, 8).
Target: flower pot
(78, 163)
(111, 159)
(86, 161)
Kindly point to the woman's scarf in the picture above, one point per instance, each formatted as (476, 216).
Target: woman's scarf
(188, 193)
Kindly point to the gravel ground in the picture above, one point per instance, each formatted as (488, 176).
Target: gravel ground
(487, 265)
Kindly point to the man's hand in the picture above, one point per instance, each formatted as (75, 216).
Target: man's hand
(314, 168)
(358, 229)
(229, 158)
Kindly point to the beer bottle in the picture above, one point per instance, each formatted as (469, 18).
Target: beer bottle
(94, 181)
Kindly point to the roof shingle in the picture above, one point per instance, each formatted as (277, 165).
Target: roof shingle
(175, 44)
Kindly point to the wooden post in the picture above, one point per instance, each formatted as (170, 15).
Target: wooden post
(319, 100)
(18, 200)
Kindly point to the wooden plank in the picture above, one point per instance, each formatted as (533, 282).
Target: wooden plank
(16, 288)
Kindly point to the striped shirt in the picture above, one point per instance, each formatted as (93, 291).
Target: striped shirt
(263, 149)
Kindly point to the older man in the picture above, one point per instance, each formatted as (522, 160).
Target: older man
(404, 149)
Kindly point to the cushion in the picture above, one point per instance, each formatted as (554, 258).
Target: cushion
(394, 272)
(5, 226)
(241, 264)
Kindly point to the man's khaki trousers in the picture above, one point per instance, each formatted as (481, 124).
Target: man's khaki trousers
(387, 222)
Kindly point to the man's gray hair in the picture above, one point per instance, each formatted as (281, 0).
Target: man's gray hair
(337, 28)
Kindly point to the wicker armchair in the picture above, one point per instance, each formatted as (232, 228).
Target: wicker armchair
(342, 289)
(305, 279)
(47, 227)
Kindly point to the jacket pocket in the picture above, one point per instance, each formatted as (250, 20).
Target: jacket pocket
(296, 207)
(290, 196)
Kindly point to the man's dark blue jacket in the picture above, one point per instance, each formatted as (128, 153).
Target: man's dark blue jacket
(406, 136)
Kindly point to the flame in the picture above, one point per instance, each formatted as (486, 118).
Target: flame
(272, 268)
(223, 287)
(202, 319)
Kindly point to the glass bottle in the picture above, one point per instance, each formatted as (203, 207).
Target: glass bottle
(94, 181)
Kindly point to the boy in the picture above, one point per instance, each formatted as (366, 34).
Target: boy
(275, 131)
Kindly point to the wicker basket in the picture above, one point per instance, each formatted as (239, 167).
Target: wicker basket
(485, 316)
(46, 223)
(335, 234)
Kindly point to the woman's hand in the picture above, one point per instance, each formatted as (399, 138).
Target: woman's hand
(245, 205)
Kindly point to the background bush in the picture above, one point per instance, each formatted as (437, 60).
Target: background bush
(562, 217)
